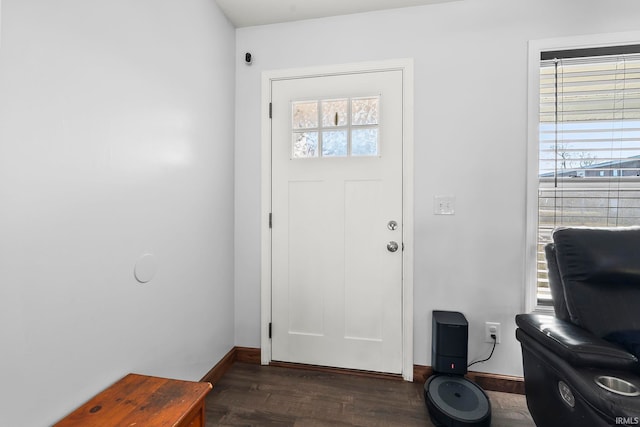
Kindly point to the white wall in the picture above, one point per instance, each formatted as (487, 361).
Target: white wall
(116, 139)
(470, 141)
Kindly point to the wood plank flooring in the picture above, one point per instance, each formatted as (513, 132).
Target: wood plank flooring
(255, 395)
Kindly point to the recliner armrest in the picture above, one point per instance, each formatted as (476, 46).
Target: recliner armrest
(574, 344)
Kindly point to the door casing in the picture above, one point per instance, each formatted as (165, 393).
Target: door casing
(406, 66)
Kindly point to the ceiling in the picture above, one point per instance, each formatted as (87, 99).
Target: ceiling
(246, 13)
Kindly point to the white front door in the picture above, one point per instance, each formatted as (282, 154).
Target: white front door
(337, 220)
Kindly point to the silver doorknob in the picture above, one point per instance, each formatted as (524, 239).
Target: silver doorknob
(392, 246)
(392, 225)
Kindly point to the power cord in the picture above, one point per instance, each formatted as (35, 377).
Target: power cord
(495, 341)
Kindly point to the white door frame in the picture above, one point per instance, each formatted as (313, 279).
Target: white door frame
(406, 66)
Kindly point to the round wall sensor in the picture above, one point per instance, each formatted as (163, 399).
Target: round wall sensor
(145, 268)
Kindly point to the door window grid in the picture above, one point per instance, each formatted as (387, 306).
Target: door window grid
(342, 127)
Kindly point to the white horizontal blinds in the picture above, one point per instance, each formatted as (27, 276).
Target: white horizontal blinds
(589, 146)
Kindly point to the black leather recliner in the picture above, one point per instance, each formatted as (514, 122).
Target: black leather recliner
(581, 366)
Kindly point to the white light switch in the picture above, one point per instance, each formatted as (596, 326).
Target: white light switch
(444, 205)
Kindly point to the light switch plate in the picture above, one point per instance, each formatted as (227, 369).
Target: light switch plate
(444, 205)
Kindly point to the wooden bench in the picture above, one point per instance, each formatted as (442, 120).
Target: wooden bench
(143, 401)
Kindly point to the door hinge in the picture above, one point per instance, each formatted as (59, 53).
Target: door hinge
(270, 110)
(269, 330)
(270, 220)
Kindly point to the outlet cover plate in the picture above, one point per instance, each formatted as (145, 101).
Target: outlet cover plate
(491, 328)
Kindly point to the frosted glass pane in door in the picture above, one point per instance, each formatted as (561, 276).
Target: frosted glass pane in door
(364, 142)
(364, 111)
(304, 115)
(305, 144)
(335, 112)
(334, 143)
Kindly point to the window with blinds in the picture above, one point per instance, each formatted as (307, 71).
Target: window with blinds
(589, 143)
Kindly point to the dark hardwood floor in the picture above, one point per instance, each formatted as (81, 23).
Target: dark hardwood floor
(255, 395)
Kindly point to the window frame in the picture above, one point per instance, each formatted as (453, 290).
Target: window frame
(349, 127)
(536, 47)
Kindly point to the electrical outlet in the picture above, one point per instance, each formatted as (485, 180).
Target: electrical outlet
(491, 328)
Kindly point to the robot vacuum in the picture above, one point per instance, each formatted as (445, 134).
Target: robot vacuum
(452, 400)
